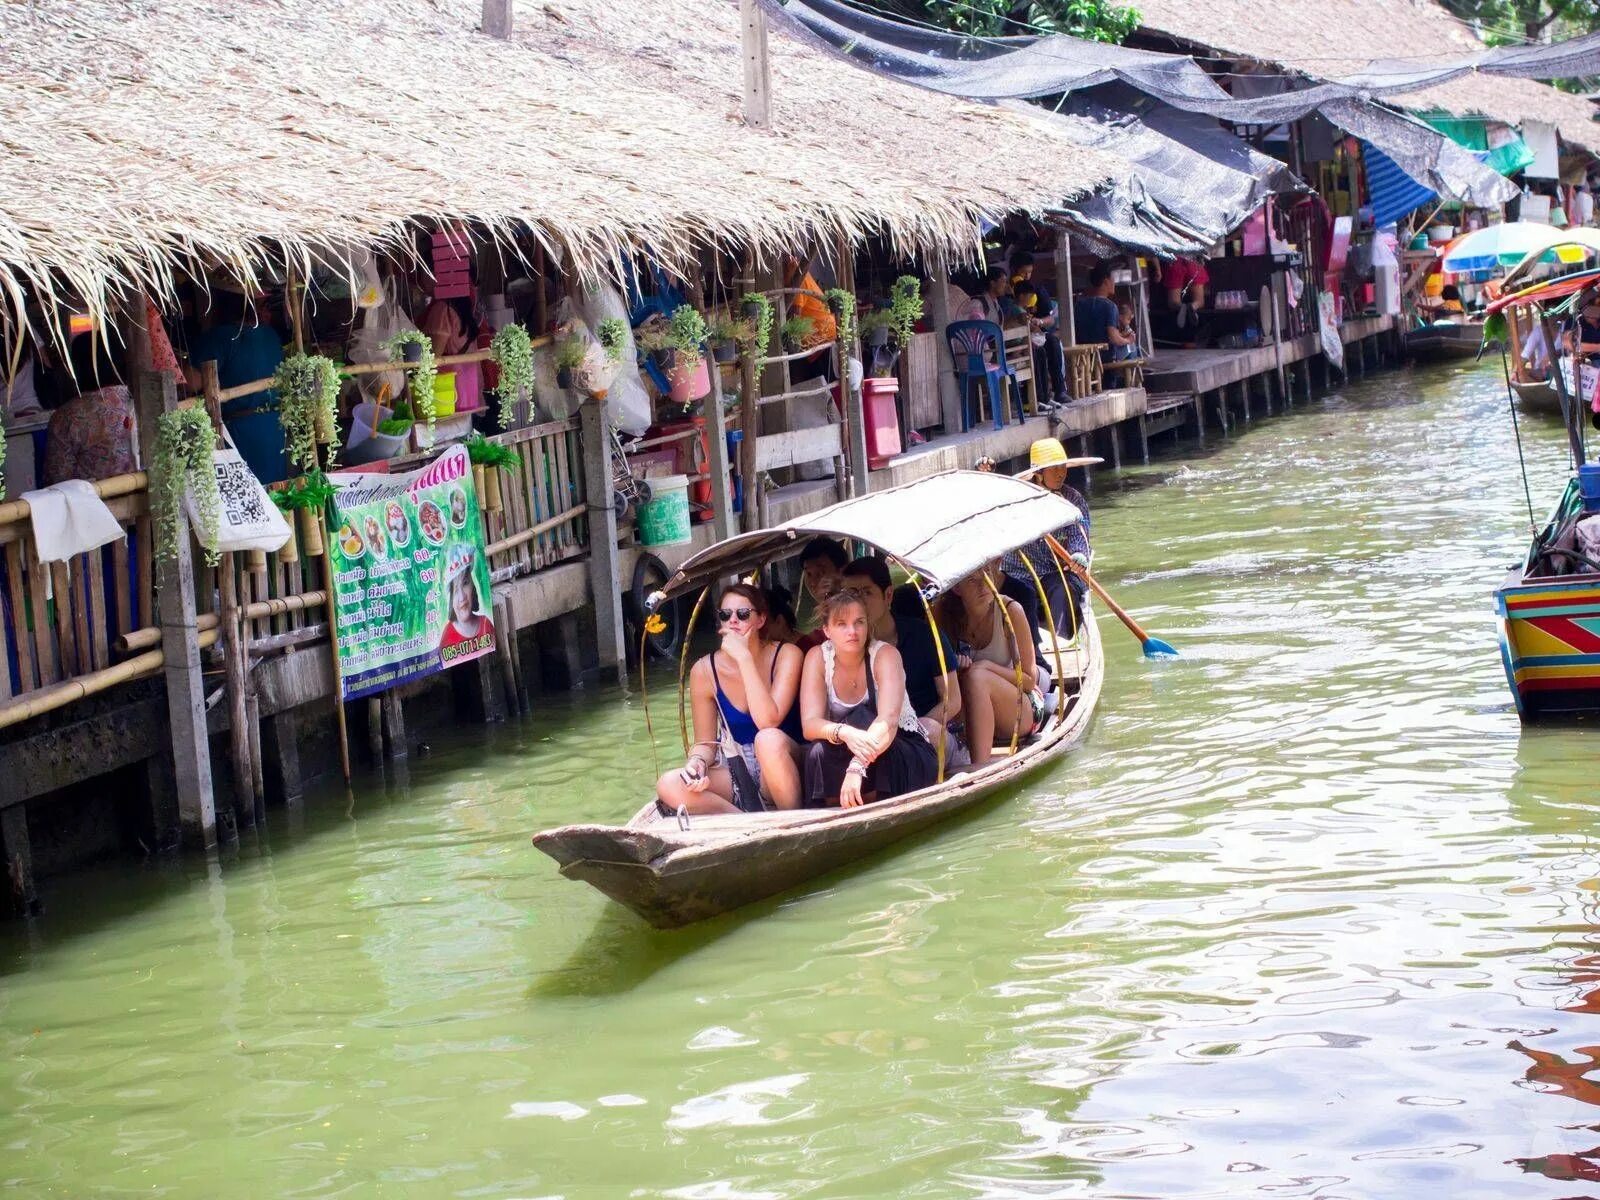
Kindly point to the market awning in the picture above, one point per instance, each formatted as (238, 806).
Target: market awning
(943, 528)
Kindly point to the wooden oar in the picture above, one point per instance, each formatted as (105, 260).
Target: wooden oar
(1153, 646)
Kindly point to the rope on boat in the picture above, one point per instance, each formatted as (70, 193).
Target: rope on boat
(1516, 427)
(683, 665)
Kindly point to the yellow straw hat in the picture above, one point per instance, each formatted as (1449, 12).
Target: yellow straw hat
(1049, 452)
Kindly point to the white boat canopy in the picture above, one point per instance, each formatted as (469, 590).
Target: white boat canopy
(941, 528)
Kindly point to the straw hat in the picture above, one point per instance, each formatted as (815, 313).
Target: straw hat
(1049, 452)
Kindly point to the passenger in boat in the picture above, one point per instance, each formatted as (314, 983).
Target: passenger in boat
(1048, 464)
(746, 723)
(897, 618)
(820, 564)
(781, 623)
(992, 645)
(866, 741)
(1586, 334)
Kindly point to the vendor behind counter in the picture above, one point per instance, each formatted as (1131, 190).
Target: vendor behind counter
(246, 347)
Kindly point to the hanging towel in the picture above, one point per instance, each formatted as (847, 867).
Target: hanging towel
(69, 518)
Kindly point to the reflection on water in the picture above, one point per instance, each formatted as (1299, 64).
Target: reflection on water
(1309, 916)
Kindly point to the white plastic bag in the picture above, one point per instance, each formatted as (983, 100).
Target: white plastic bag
(366, 345)
(627, 401)
(247, 519)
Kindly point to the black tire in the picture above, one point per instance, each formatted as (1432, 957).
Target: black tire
(650, 574)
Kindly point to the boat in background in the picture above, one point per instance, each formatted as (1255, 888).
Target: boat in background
(1458, 337)
(674, 869)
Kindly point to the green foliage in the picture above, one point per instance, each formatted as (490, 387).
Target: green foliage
(688, 332)
(185, 443)
(485, 453)
(763, 338)
(905, 308)
(1495, 329)
(1096, 20)
(1515, 22)
(307, 386)
(395, 426)
(512, 351)
(612, 333)
(570, 353)
(312, 490)
(725, 328)
(797, 329)
(420, 383)
(843, 304)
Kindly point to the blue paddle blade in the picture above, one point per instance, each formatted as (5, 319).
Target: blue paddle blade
(1154, 647)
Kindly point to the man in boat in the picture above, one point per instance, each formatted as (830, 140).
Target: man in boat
(820, 564)
(1048, 464)
(897, 618)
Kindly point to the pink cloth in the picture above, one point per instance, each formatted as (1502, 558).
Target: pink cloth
(161, 356)
(91, 437)
(1181, 272)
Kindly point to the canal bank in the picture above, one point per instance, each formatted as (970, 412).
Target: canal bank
(1275, 927)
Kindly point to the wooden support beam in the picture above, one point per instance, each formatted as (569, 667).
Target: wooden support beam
(939, 310)
(605, 573)
(757, 75)
(234, 678)
(497, 18)
(157, 393)
(717, 455)
(18, 860)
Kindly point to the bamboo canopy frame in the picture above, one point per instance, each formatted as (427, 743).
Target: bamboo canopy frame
(146, 144)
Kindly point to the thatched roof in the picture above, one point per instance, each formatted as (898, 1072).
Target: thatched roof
(141, 138)
(1334, 39)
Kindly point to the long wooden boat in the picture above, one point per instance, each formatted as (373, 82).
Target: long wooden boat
(1537, 396)
(1454, 339)
(673, 871)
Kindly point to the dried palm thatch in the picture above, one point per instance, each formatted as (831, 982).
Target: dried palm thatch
(146, 140)
(1331, 38)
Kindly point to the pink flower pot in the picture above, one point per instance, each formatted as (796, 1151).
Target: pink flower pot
(689, 385)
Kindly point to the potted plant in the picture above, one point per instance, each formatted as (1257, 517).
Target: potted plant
(490, 458)
(842, 304)
(905, 308)
(758, 309)
(875, 328)
(678, 344)
(183, 462)
(612, 333)
(411, 346)
(512, 352)
(308, 499)
(795, 332)
(307, 387)
(570, 353)
(728, 335)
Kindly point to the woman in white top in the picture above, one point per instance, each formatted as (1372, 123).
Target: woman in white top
(866, 741)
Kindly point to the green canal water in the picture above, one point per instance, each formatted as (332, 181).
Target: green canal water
(1308, 915)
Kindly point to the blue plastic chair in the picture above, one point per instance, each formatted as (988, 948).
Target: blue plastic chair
(978, 349)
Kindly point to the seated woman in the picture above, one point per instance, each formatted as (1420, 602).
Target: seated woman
(989, 655)
(867, 743)
(743, 696)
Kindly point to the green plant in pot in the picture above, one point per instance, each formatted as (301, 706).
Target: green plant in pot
(512, 351)
(307, 387)
(728, 336)
(758, 308)
(905, 308)
(412, 347)
(570, 353)
(876, 327)
(182, 462)
(842, 304)
(795, 332)
(612, 333)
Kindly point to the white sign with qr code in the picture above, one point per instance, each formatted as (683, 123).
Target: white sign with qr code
(248, 519)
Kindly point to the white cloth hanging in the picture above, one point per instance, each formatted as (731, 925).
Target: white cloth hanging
(69, 519)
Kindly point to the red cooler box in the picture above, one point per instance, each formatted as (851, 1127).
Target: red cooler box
(880, 419)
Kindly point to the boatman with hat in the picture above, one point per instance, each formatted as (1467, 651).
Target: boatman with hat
(1048, 464)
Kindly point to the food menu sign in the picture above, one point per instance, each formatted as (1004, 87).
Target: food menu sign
(410, 575)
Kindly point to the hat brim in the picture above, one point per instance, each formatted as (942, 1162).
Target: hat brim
(1087, 460)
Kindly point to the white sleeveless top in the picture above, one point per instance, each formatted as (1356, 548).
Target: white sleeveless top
(908, 715)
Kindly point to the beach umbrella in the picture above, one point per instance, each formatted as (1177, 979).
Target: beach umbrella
(1512, 243)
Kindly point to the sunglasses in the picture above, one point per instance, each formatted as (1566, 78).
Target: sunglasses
(727, 614)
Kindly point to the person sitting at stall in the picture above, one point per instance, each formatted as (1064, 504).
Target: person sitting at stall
(866, 742)
(1048, 465)
(95, 434)
(820, 563)
(897, 618)
(1094, 315)
(1033, 298)
(746, 723)
(1129, 349)
(992, 644)
(1184, 280)
(991, 304)
(246, 348)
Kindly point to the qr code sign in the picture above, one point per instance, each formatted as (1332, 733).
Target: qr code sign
(241, 494)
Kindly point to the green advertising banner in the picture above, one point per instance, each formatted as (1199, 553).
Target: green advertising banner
(410, 576)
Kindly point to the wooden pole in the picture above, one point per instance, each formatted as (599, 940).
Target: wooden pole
(234, 682)
(854, 414)
(191, 754)
(605, 575)
(750, 423)
(757, 78)
(939, 310)
(717, 445)
(333, 643)
(497, 19)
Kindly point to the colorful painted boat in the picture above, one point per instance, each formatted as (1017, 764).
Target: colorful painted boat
(1549, 610)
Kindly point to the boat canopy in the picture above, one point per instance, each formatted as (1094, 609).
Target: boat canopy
(1548, 290)
(941, 528)
(1567, 245)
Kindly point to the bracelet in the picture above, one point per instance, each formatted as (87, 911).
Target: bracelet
(856, 767)
(833, 734)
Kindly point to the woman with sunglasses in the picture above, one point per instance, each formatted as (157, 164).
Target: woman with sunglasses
(745, 756)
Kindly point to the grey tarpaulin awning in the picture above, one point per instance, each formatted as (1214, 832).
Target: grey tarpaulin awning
(1027, 67)
(943, 528)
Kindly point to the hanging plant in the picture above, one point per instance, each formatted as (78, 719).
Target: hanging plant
(759, 309)
(484, 453)
(570, 353)
(843, 305)
(182, 462)
(795, 332)
(613, 335)
(687, 333)
(307, 386)
(905, 308)
(512, 351)
(410, 346)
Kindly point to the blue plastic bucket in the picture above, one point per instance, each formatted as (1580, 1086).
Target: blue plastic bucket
(1589, 485)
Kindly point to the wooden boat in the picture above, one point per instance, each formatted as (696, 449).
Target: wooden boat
(1537, 396)
(1446, 339)
(673, 870)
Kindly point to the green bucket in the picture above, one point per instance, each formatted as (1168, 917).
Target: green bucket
(665, 520)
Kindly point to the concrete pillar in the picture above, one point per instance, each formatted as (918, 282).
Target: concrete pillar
(191, 753)
(717, 447)
(939, 311)
(605, 575)
(281, 759)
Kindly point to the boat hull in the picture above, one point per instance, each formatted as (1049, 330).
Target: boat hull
(1445, 341)
(1550, 642)
(673, 877)
(1537, 396)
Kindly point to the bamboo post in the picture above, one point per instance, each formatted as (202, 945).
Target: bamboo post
(212, 391)
(333, 642)
(939, 306)
(717, 445)
(234, 671)
(605, 576)
(497, 18)
(854, 415)
(750, 424)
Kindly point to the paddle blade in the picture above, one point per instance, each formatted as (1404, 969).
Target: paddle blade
(1154, 647)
